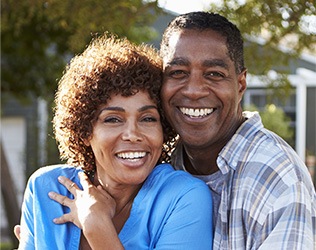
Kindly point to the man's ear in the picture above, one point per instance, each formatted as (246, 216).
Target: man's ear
(242, 83)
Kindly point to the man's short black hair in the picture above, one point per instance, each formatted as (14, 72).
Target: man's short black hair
(202, 21)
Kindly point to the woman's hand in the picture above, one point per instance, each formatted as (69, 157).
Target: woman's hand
(90, 206)
(92, 210)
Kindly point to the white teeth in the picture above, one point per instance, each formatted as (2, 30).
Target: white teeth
(131, 155)
(196, 112)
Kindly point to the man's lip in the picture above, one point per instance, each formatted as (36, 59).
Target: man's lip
(196, 112)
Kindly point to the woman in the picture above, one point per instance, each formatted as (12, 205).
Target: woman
(109, 124)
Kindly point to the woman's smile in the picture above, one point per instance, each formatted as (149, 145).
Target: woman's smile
(127, 139)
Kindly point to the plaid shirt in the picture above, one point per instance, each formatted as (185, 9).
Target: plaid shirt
(268, 200)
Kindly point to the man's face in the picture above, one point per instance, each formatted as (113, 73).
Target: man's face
(201, 92)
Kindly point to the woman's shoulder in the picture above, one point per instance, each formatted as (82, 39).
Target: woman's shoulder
(164, 174)
(169, 187)
(53, 171)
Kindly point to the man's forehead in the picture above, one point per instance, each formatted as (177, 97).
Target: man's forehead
(192, 45)
(174, 39)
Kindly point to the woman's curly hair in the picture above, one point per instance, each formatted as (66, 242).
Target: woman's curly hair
(108, 66)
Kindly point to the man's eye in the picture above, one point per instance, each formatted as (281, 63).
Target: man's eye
(214, 75)
(177, 74)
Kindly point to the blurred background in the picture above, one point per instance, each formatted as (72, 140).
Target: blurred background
(38, 38)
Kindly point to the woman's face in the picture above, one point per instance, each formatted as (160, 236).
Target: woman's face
(126, 139)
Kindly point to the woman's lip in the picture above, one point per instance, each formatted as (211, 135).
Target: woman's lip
(133, 162)
(131, 154)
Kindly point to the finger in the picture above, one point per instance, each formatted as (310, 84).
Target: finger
(17, 231)
(63, 219)
(84, 180)
(61, 199)
(71, 186)
(103, 191)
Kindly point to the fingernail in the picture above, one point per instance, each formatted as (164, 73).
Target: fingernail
(50, 194)
(60, 178)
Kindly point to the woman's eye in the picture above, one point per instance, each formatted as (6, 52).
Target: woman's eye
(150, 119)
(112, 120)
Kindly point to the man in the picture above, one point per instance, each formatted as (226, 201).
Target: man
(263, 194)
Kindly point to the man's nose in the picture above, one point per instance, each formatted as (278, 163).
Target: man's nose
(195, 87)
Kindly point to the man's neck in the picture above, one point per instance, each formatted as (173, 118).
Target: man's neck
(199, 164)
(203, 161)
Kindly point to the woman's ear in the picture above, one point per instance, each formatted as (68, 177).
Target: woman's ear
(86, 142)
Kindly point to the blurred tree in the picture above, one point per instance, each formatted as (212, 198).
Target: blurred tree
(39, 36)
(275, 119)
(290, 24)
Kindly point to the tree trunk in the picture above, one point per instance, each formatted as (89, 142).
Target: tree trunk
(9, 195)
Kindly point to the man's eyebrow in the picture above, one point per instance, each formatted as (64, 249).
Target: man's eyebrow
(215, 63)
(180, 61)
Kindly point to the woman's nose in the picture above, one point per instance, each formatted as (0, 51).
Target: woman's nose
(132, 132)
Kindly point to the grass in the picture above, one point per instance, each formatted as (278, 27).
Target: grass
(6, 246)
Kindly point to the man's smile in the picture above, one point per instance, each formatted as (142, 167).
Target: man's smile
(202, 112)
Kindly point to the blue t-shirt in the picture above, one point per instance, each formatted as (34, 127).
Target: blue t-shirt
(172, 210)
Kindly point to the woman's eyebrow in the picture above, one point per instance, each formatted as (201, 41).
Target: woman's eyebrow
(112, 108)
(146, 107)
(115, 108)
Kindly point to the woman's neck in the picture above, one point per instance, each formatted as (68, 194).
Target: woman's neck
(123, 195)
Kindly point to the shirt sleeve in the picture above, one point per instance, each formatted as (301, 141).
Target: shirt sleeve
(27, 220)
(38, 230)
